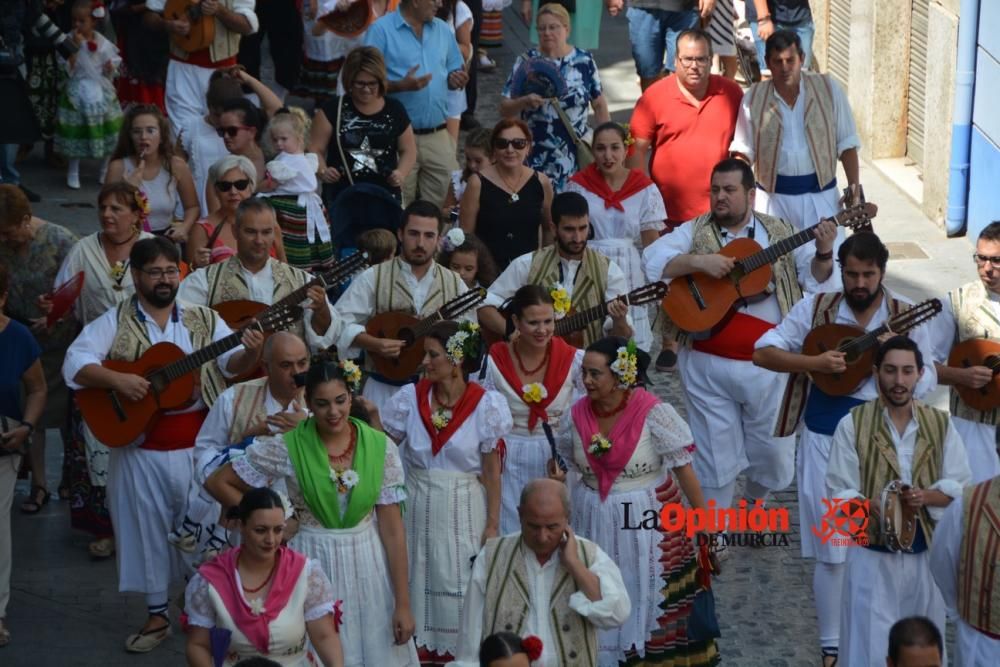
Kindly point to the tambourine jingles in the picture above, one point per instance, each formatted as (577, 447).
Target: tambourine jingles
(898, 521)
(349, 22)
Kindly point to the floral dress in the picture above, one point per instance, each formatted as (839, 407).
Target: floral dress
(552, 151)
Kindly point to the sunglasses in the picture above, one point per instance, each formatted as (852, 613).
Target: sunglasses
(226, 186)
(518, 144)
(232, 130)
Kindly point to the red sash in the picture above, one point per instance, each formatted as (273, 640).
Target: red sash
(736, 338)
(561, 355)
(591, 178)
(463, 409)
(171, 432)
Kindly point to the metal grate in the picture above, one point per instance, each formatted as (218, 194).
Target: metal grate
(839, 39)
(917, 95)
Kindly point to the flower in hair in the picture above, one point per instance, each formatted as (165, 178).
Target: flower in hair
(452, 240)
(464, 343)
(352, 375)
(532, 646)
(626, 365)
(560, 300)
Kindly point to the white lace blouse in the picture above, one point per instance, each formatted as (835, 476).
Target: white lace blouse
(267, 461)
(478, 434)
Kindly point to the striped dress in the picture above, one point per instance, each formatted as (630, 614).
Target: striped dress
(300, 252)
(722, 28)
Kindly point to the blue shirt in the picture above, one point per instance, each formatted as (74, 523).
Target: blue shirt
(18, 351)
(436, 53)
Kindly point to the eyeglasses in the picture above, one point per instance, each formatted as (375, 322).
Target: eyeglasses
(365, 85)
(226, 186)
(688, 61)
(982, 259)
(232, 130)
(518, 144)
(156, 274)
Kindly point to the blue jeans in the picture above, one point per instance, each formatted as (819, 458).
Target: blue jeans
(8, 174)
(804, 30)
(653, 33)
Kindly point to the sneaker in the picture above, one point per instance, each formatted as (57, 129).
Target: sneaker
(73, 180)
(486, 64)
(33, 197)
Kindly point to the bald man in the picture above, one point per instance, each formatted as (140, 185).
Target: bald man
(263, 406)
(522, 581)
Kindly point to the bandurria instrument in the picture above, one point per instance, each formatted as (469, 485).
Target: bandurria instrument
(697, 302)
(569, 327)
(898, 522)
(978, 352)
(407, 328)
(202, 26)
(116, 421)
(859, 346)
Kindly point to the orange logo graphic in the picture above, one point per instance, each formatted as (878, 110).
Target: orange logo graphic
(845, 522)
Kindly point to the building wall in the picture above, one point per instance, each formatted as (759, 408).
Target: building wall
(984, 172)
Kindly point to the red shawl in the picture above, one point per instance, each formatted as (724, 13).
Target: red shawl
(463, 410)
(591, 178)
(624, 436)
(220, 572)
(561, 355)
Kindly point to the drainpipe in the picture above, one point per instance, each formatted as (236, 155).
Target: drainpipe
(961, 125)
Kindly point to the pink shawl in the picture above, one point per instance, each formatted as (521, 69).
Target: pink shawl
(624, 436)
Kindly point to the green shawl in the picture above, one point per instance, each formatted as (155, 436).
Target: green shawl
(312, 470)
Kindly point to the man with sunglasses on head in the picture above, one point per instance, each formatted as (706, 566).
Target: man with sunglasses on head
(974, 312)
(147, 478)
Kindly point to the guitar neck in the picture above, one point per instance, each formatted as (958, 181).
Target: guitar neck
(581, 319)
(197, 359)
(776, 250)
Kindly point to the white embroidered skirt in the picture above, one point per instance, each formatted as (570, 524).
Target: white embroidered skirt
(355, 562)
(524, 461)
(445, 518)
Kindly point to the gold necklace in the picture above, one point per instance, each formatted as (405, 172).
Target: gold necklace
(514, 197)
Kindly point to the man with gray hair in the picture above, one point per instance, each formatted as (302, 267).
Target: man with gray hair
(543, 581)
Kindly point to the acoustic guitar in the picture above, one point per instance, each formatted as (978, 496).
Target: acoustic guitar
(407, 328)
(202, 26)
(570, 327)
(859, 346)
(697, 302)
(117, 421)
(978, 352)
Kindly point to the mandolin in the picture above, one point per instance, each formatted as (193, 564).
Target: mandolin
(407, 328)
(859, 346)
(570, 327)
(697, 302)
(202, 26)
(116, 421)
(978, 352)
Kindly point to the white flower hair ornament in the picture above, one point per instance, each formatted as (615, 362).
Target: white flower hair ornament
(626, 365)
(466, 343)
(452, 240)
(286, 505)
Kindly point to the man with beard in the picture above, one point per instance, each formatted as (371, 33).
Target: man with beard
(974, 313)
(148, 480)
(585, 277)
(732, 404)
(864, 303)
(411, 283)
(893, 437)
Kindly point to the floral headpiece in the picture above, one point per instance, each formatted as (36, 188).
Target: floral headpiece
(560, 300)
(352, 375)
(532, 646)
(452, 240)
(142, 202)
(466, 343)
(626, 366)
(286, 505)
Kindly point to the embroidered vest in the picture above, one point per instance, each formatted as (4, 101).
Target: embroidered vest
(226, 43)
(248, 407)
(131, 341)
(793, 403)
(880, 465)
(978, 593)
(977, 316)
(226, 283)
(589, 285)
(508, 599)
(821, 128)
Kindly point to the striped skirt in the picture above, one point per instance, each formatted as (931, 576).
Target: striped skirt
(300, 252)
(491, 32)
(721, 28)
(318, 79)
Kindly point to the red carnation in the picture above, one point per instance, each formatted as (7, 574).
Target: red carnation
(532, 645)
(92, 46)
(338, 615)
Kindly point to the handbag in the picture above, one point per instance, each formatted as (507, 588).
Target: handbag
(584, 154)
(702, 623)
(340, 147)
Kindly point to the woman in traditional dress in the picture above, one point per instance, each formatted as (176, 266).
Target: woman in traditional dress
(538, 375)
(447, 429)
(262, 599)
(626, 213)
(633, 454)
(341, 474)
(103, 259)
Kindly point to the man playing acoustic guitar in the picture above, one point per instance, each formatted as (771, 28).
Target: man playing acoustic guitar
(893, 437)
(866, 304)
(148, 480)
(974, 314)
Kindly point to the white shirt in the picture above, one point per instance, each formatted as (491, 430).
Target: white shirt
(793, 154)
(241, 7)
(515, 276)
(975, 649)
(609, 612)
(792, 331)
(194, 289)
(658, 255)
(843, 475)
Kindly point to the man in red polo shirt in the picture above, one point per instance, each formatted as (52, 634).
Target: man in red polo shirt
(688, 120)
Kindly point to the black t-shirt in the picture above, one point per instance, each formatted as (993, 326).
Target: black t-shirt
(786, 12)
(370, 142)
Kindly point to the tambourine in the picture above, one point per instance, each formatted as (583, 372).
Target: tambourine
(349, 22)
(898, 521)
(63, 298)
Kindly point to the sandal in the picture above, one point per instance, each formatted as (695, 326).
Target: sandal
(145, 641)
(35, 503)
(102, 548)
